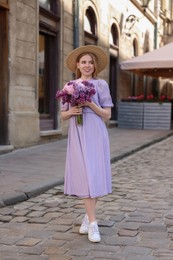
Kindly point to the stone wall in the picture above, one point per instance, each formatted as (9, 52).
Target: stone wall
(23, 115)
(108, 12)
(23, 53)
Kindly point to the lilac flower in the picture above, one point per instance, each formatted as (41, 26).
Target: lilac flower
(76, 93)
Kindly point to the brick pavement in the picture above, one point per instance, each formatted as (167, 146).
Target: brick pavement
(136, 220)
(25, 173)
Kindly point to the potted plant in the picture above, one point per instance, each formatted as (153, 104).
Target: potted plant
(150, 113)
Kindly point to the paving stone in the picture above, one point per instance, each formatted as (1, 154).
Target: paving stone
(61, 257)
(82, 258)
(51, 203)
(140, 257)
(139, 219)
(36, 214)
(129, 225)
(152, 227)
(154, 243)
(9, 240)
(169, 222)
(10, 256)
(19, 219)
(4, 249)
(117, 218)
(127, 232)
(101, 254)
(107, 231)
(24, 205)
(5, 218)
(163, 252)
(2, 203)
(137, 250)
(40, 220)
(171, 245)
(6, 211)
(169, 216)
(20, 212)
(54, 250)
(154, 235)
(52, 215)
(128, 209)
(31, 250)
(60, 228)
(64, 236)
(28, 242)
(38, 208)
(62, 221)
(34, 257)
(121, 241)
(106, 223)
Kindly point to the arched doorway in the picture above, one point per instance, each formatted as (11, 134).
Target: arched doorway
(48, 63)
(4, 74)
(113, 67)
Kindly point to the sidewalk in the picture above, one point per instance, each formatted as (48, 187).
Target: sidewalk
(25, 173)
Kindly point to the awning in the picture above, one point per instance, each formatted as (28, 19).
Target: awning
(157, 63)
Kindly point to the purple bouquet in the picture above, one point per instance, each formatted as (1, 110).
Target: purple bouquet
(76, 93)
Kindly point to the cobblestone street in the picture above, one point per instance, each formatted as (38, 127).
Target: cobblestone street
(136, 220)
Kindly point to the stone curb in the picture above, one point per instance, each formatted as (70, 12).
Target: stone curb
(33, 191)
(30, 192)
(6, 149)
(138, 148)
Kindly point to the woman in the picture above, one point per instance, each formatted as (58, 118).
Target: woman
(88, 173)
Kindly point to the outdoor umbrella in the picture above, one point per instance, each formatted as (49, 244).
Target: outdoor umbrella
(156, 63)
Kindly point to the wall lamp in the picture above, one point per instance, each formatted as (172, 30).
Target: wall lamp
(132, 19)
(145, 3)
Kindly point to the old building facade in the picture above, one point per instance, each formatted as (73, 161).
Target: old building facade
(35, 38)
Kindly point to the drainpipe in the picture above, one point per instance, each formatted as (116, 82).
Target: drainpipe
(75, 23)
(156, 24)
(155, 81)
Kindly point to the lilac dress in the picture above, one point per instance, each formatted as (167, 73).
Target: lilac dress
(88, 171)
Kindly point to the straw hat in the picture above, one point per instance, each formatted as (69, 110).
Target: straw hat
(97, 51)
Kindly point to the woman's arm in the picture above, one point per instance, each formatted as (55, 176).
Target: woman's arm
(105, 112)
(73, 111)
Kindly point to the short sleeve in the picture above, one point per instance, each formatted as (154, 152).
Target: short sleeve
(105, 99)
(64, 107)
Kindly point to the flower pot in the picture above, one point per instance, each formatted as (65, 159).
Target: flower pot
(130, 115)
(157, 115)
(144, 115)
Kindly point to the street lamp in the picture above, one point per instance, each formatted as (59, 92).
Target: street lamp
(145, 3)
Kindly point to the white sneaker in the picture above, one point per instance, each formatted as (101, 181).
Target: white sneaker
(93, 232)
(85, 225)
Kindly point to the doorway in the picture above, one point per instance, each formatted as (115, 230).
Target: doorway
(3, 76)
(113, 85)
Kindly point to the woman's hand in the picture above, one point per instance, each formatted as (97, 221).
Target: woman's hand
(73, 111)
(103, 112)
(86, 104)
(77, 110)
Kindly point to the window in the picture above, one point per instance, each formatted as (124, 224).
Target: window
(90, 27)
(50, 5)
(113, 39)
(45, 4)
